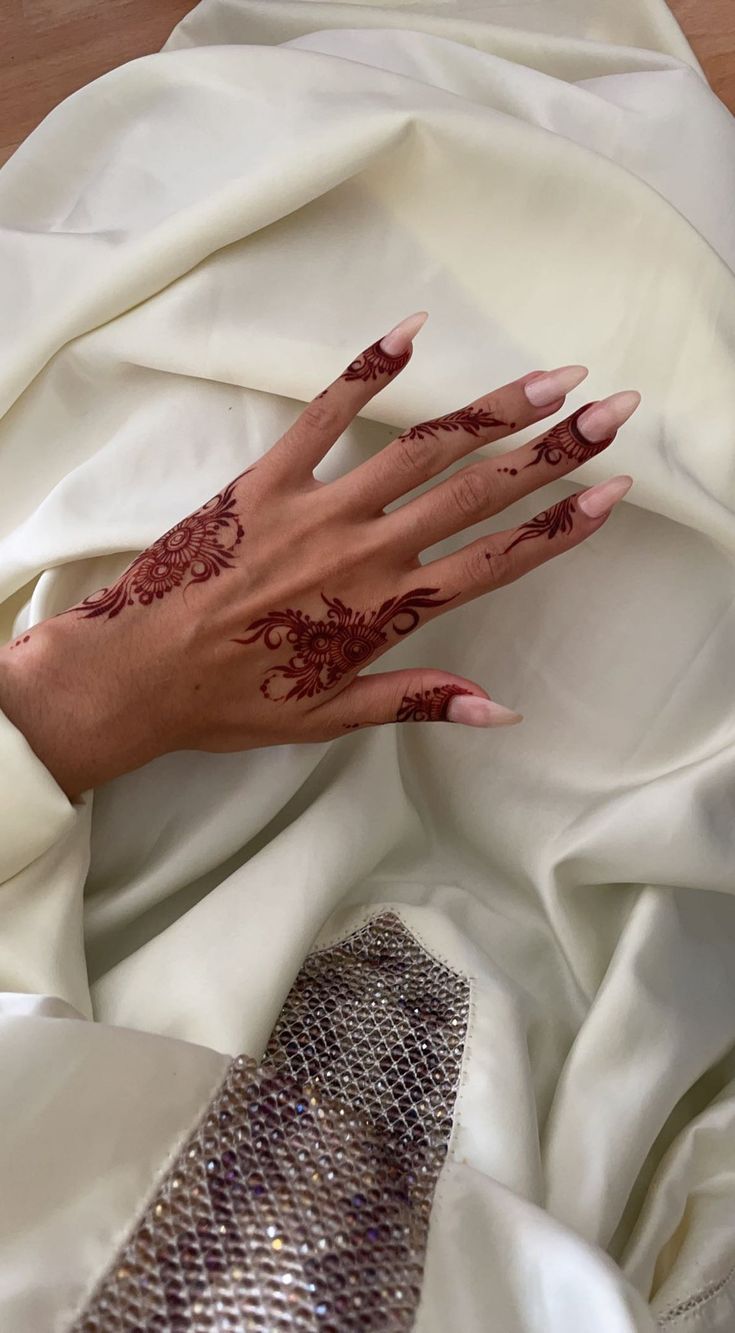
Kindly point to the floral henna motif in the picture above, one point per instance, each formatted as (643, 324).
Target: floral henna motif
(566, 441)
(472, 419)
(374, 362)
(428, 705)
(323, 651)
(559, 518)
(194, 550)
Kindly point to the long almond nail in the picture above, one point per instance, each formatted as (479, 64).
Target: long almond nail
(554, 384)
(602, 420)
(476, 712)
(599, 500)
(400, 338)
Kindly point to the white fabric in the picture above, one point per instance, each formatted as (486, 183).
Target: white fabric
(193, 246)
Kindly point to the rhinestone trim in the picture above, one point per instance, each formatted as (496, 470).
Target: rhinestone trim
(302, 1200)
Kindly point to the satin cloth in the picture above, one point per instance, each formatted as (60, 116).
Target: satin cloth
(192, 247)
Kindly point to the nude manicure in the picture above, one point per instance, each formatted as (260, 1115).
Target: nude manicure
(602, 420)
(599, 500)
(473, 711)
(400, 338)
(554, 384)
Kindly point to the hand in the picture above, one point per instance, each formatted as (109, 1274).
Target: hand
(249, 622)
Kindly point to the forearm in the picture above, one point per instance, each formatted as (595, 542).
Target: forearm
(74, 711)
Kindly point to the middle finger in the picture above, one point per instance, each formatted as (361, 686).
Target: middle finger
(426, 449)
(483, 489)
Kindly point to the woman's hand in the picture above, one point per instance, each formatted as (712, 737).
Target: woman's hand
(248, 623)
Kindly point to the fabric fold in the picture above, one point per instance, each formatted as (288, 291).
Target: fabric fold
(190, 249)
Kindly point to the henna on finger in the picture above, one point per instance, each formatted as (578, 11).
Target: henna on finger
(559, 518)
(493, 561)
(428, 705)
(374, 362)
(324, 651)
(566, 442)
(427, 448)
(595, 503)
(478, 492)
(470, 419)
(307, 442)
(371, 365)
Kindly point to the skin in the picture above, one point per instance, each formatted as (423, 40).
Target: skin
(248, 624)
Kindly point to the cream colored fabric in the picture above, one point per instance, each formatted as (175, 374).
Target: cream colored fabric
(190, 248)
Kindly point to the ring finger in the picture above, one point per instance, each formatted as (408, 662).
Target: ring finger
(426, 449)
(484, 489)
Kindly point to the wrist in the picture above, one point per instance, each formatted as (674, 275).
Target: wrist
(60, 696)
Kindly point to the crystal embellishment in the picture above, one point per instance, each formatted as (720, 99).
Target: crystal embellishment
(302, 1200)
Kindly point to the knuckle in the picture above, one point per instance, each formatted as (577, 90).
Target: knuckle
(479, 564)
(407, 690)
(473, 492)
(497, 567)
(321, 415)
(486, 566)
(414, 454)
(495, 405)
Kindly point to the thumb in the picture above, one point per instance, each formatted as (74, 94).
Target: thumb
(417, 696)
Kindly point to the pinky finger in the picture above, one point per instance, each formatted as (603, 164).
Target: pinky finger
(503, 557)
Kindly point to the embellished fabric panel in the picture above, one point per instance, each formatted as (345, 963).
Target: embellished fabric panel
(302, 1200)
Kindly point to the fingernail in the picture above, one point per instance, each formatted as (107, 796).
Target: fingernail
(554, 384)
(602, 420)
(475, 712)
(400, 338)
(599, 500)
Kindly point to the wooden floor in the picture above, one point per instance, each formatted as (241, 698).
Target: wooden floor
(49, 48)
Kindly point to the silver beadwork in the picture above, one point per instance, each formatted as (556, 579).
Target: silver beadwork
(302, 1200)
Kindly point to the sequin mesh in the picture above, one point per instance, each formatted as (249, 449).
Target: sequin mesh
(302, 1200)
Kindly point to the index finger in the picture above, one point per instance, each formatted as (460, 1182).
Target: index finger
(324, 419)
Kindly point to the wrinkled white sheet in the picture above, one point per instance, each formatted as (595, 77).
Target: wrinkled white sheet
(190, 248)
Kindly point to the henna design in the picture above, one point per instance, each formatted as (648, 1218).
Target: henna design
(195, 549)
(323, 651)
(374, 362)
(471, 419)
(559, 518)
(428, 705)
(565, 440)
